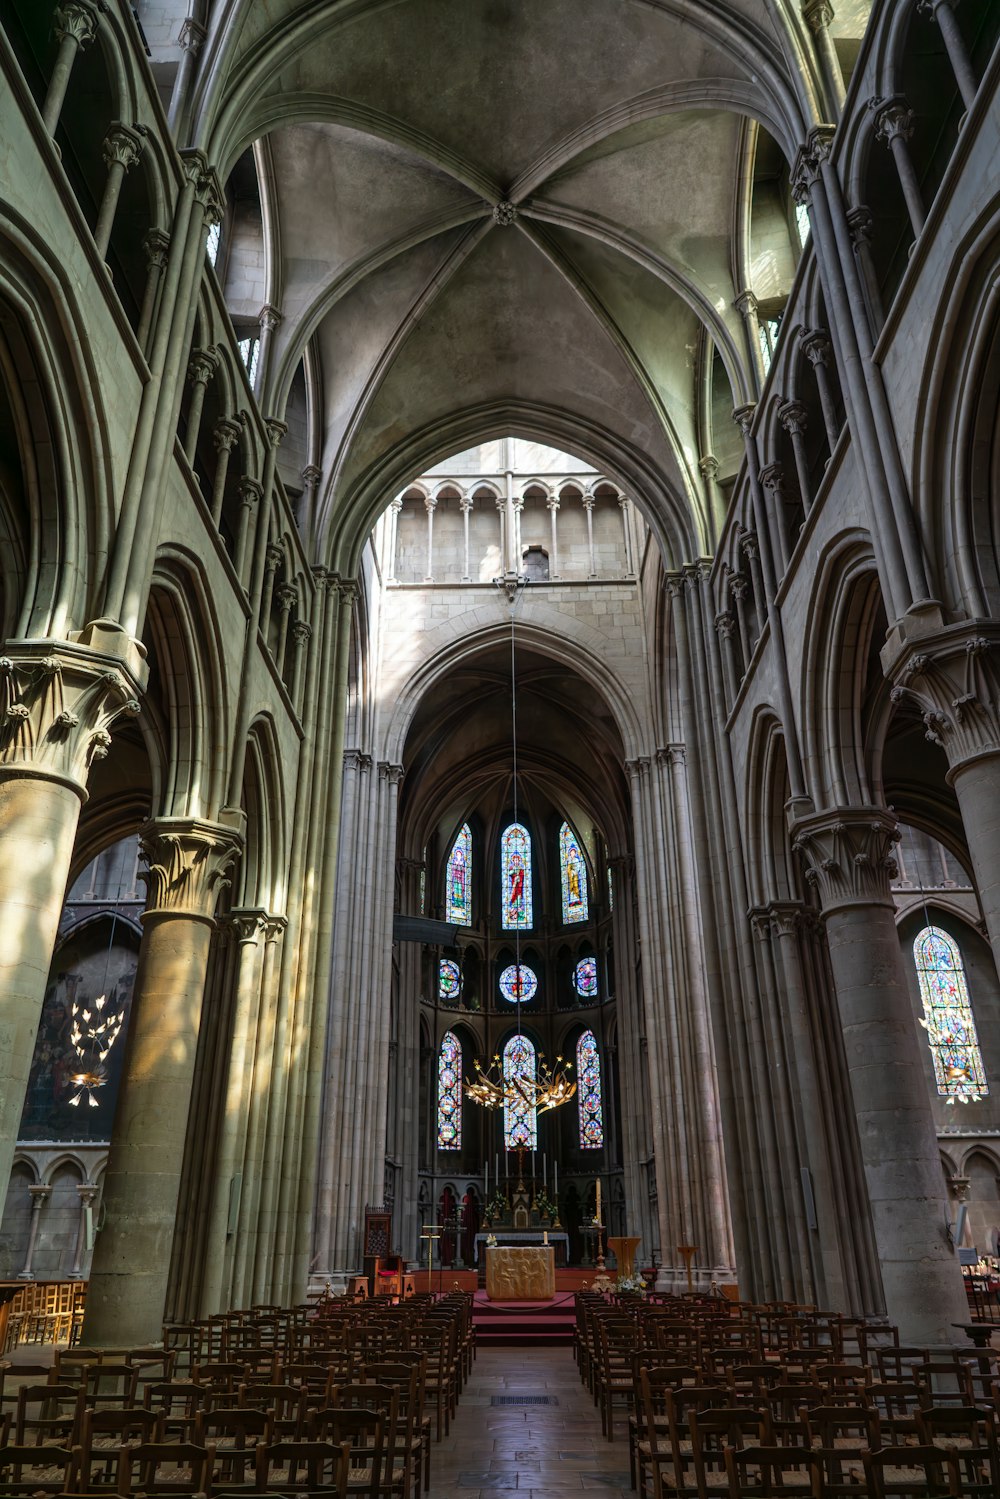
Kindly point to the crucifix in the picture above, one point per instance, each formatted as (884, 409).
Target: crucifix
(431, 1233)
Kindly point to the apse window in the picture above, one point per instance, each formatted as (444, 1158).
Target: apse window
(515, 878)
(573, 867)
(458, 895)
(948, 1019)
(449, 982)
(518, 984)
(450, 1093)
(588, 1077)
(585, 978)
(520, 1117)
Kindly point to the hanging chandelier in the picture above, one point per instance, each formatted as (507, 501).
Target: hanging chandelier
(492, 1087)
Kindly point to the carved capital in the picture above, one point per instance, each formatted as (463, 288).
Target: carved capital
(58, 702)
(743, 416)
(773, 479)
(674, 584)
(156, 248)
(817, 14)
(738, 586)
(276, 431)
(861, 223)
(638, 767)
(960, 1186)
(122, 146)
(391, 773)
(745, 303)
(815, 345)
(892, 118)
(273, 557)
(202, 366)
(780, 918)
(287, 595)
(848, 855)
(226, 434)
(954, 679)
(794, 417)
(347, 591)
(749, 546)
(39, 1194)
(87, 1192)
(192, 36)
(188, 863)
(709, 466)
(809, 160)
(75, 21)
(725, 624)
(250, 492)
(301, 632)
(311, 476)
(247, 925)
(504, 213)
(274, 927)
(430, 503)
(269, 317)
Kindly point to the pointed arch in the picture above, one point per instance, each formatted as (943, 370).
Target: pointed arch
(948, 1018)
(572, 877)
(590, 1105)
(515, 879)
(449, 1101)
(458, 881)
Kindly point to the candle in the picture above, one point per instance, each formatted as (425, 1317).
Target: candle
(598, 1218)
(545, 1236)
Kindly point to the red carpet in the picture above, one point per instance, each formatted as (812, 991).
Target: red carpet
(511, 1324)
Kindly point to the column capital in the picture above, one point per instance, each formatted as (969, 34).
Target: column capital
(738, 586)
(250, 491)
(708, 465)
(59, 699)
(87, 1192)
(348, 591)
(954, 679)
(892, 118)
(273, 556)
(301, 632)
(745, 302)
(123, 145)
(672, 754)
(188, 863)
(552, 503)
(781, 918)
(156, 248)
(391, 773)
(192, 36)
(311, 476)
(247, 924)
(960, 1187)
(76, 20)
(268, 318)
(809, 159)
(773, 479)
(287, 595)
(815, 345)
(725, 624)
(226, 434)
(276, 431)
(430, 502)
(465, 504)
(202, 366)
(848, 855)
(817, 14)
(40, 1192)
(794, 417)
(743, 416)
(749, 545)
(861, 224)
(674, 584)
(637, 767)
(274, 927)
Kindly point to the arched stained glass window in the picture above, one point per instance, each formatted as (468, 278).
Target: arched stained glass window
(520, 1118)
(574, 876)
(458, 898)
(515, 878)
(450, 1093)
(588, 1092)
(948, 1020)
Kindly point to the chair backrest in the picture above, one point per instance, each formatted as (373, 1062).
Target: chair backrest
(42, 1469)
(770, 1472)
(930, 1473)
(48, 1410)
(318, 1468)
(842, 1425)
(166, 1468)
(363, 1430)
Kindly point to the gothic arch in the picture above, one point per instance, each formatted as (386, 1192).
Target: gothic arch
(772, 872)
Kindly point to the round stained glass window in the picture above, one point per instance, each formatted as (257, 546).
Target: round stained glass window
(449, 979)
(518, 983)
(585, 978)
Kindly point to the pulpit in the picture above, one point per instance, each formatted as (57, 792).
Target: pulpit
(523, 1274)
(389, 1275)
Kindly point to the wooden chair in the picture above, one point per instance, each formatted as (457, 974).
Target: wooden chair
(912, 1473)
(38, 1470)
(839, 1436)
(48, 1413)
(970, 1433)
(772, 1473)
(305, 1470)
(165, 1468)
(363, 1430)
(177, 1402)
(234, 1434)
(715, 1430)
(286, 1403)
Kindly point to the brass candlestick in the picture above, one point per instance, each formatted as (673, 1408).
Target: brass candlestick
(688, 1251)
(601, 1281)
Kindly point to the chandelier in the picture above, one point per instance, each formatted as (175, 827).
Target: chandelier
(493, 1087)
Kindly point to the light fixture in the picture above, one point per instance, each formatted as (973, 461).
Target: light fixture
(549, 1087)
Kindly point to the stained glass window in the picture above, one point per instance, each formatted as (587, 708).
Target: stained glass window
(459, 893)
(574, 875)
(515, 878)
(449, 981)
(585, 977)
(450, 1093)
(588, 1093)
(520, 1119)
(518, 983)
(951, 1029)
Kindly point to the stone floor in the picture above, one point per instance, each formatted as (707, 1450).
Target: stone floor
(542, 1450)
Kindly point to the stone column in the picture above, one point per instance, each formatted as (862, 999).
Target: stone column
(627, 535)
(772, 480)
(818, 14)
(815, 344)
(553, 508)
(725, 625)
(465, 506)
(634, 1081)
(301, 634)
(273, 560)
(250, 497)
(751, 553)
(39, 1196)
(861, 227)
(954, 677)
(430, 505)
(848, 857)
(58, 701)
(268, 320)
(191, 38)
(746, 305)
(738, 592)
(87, 1192)
(708, 467)
(518, 545)
(188, 861)
(122, 148)
(306, 510)
(943, 13)
(201, 369)
(74, 26)
(394, 509)
(588, 505)
(893, 120)
(793, 417)
(502, 516)
(156, 246)
(288, 595)
(225, 436)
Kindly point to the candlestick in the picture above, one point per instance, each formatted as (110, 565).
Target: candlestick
(598, 1218)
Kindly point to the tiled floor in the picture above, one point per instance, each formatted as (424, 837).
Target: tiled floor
(540, 1450)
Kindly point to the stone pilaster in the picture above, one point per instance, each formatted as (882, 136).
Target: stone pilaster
(188, 863)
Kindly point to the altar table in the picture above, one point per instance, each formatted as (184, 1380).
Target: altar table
(515, 1238)
(527, 1274)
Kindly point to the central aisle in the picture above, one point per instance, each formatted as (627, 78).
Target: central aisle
(536, 1449)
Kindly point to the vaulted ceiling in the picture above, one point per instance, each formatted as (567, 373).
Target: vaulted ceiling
(485, 216)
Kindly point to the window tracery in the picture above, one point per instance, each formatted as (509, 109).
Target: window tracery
(449, 1132)
(588, 1077)
(948, 1018)
(573, 869)
(515, 878)
(458, 899)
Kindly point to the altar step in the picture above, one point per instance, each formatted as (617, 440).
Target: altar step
(512, 1324)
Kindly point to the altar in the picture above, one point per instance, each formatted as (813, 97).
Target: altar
(520, 1274)
(520, 1238)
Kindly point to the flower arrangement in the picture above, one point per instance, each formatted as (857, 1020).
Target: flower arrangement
(632, 1284)
(546, 1207)
(497, 1205)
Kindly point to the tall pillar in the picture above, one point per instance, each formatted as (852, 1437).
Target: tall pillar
(627, 535)
(793, 417)
(288, 597)
(553, 507)
(58, 701)
(818, 15)
(250, 496)
(268, 320)
(394, 510)
(954, 677)
(301, 635)
(816, 346)
(943, 12)
(848, 857)
(893, 119)
(87, 1192)
(588, 505)
(772, 481)
(225, 436)
(201, 369)
(74, 26)
(430, 505)
(122, 149)
(188, 862)
(746, 305)
(861, 227)
(156, 247)
(465, 506)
